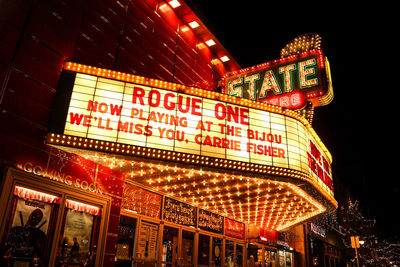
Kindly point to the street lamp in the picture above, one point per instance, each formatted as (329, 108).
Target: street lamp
(355, 243)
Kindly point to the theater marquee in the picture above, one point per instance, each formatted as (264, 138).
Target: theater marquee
(127, 110)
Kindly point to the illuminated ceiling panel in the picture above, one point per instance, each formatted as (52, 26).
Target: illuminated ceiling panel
(266, 202)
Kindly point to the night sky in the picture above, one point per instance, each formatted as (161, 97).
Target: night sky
(359, 125)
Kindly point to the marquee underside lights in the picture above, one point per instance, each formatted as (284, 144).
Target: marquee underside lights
(256, 200)
(87, 147)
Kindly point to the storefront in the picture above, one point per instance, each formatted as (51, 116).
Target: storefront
(326, 247)
(187, 177)
(173, 233)
(144, 162)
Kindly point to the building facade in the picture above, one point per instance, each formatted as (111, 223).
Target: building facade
(118, 149)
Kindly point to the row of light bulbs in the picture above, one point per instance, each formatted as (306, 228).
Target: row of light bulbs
(272, 204)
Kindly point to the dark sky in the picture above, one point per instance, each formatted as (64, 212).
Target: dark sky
(359, 126)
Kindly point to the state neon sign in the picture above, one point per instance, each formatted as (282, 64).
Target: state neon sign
(288, 82)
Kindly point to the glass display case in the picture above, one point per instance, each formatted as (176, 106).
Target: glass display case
(78, 237)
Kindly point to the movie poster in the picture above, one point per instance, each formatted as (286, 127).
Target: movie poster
(28, 235)
(281, 255)
(77, 236)
(288, 259)
(32, 212)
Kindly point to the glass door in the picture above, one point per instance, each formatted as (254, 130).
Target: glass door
(229, 253)
(169, 256)
(187, 248)
(281, 258)
(254, 255)
(273, 259)
(126, 241)
(267, 258)
(289, 259)
(239, 254)
(203, 252)
(270, 258)
(216, 251)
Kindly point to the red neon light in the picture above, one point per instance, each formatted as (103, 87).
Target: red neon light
(26, 193)
(234, 228)
(81, 207)
(294, 100)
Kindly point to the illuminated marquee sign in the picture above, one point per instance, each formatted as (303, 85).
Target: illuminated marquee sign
(234, 228)
(128, 113)
(287, 82)
(210, 221)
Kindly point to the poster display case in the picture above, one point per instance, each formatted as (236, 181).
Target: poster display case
(147, 243)
(79, 234)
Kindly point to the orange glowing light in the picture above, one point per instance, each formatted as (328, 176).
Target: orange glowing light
(194, 24)
(210, 42)
(268, 203)
(174, 3)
